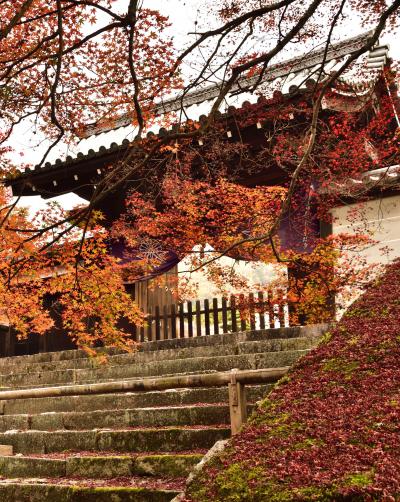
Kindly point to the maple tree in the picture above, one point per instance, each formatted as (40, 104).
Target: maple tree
(62, 66)
(79, 276)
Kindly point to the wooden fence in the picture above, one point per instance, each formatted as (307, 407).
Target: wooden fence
(213, 317)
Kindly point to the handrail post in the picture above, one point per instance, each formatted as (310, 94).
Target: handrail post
(237, 403)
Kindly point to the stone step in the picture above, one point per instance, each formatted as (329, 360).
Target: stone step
(130, 400)
(132, 446)
(135, 440)
(157, 368)
(119, 419)
(144, 357)
(100, 467)
(289, 344)
(39, 490)
(176, 344)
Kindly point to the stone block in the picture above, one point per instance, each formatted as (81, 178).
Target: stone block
(47, 422)
(25, 467)
(14, 422)
(25, 441)
(99, 467)
(174, 466)
(61, 441)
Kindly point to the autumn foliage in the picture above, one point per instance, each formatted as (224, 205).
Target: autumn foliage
(70, 68)
(66, 94)
(215, 214)
(330, 429)
(81, 277)
(201, 203)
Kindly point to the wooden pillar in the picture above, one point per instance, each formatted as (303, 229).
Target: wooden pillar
(43, 343)
(9, 345)
(237, 403)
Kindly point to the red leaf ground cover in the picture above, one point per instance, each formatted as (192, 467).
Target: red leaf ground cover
(331, 429)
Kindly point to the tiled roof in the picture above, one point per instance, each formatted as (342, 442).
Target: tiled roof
(287, 76)
(290, 67)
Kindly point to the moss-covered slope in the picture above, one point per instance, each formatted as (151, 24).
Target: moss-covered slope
(331, 429)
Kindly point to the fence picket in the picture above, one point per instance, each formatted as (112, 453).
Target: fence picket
(173, 321)
(198, 318)
(261, 310)
(215, 316)
(224, 316)
(190, 319)
(134, 333)
(165, 323)
(233, 314)
(181, 321)
(281, 311)
(150, 326)
(207, 316)
(158, 323)
(252, 312)
(271, 310)
(243, 324)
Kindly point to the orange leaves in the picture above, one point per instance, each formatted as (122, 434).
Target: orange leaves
(95, 81)
(170, 148)
(83, 281)
(335, 266)
(200, 213)
(196, 218)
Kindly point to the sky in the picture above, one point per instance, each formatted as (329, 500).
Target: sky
(183, 15)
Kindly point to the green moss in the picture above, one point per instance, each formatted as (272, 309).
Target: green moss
(341, 366)
(373, 358)
(280, 423)
(263, 413)
(326, 338)
(283, 381)
(308, 443)
(354, 340)
(359, 479)
(169, 465)
(199, 491)
(239, 483)
(233, 484)
(284, 430)
(377, 312)
(267, 405)
(319, 494)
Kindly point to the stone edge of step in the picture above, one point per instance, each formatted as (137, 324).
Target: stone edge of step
(237, 348)
(172, 344)
(75, 374)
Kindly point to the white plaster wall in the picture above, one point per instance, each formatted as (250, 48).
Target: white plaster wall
(256, 274)
(380, 218)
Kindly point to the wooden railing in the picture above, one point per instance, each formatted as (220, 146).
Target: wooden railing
(235, 379)
(215, 316)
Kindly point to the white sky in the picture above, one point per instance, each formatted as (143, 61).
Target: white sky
(183, 14)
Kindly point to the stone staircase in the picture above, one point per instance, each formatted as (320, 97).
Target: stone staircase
(132, 446)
